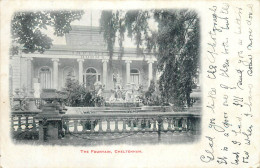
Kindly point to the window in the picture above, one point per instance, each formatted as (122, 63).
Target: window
(134, 75)
(45, 77)
(91, 77)
(91, 71)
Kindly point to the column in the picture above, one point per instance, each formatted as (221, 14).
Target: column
(150, 70)
(128, 70)
(29, 73)
(80, 61)
(105, 72)
(55, 73)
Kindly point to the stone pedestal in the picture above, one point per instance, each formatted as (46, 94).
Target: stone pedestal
(50, 123)
(49, 129)
(37, 88)
(50, 119)
(196, 108)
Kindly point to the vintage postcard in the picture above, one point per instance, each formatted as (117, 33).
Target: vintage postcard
(130, 84)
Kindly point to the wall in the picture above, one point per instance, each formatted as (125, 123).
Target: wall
(20, 70)
(23, 72)
(63, 64)
(15, 63)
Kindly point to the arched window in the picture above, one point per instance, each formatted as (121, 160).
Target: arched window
(135, 76)
(68, 73)
(45, 77)
(91, 77)
(91, 71)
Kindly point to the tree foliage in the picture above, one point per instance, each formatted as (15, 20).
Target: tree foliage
(137, 25)
(178, 54)
(152, 96)
(27, 28)
(175, 43)
(109, 23)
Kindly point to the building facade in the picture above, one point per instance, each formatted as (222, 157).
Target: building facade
(85, 58)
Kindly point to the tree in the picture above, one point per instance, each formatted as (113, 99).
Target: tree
(27, 29)
(178, 54)
(175, 44)
(115, 23)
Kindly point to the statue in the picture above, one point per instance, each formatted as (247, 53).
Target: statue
(114, 80)
(128, 95)
(118, 79)
(112, 97)
(100, 92)
(118, 93)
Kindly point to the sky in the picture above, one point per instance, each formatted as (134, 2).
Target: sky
(86, 18)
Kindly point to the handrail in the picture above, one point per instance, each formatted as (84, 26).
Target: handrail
(107, 123)
(102, 123)
(25, 112)
(131, 115)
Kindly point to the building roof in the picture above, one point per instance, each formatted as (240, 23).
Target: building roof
(85, 28)
(88, 47)
(86, 38)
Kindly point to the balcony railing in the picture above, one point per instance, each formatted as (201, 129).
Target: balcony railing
(131, 122)
(25, 125)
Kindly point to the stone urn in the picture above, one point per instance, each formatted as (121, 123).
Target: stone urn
(53, 100)
(50, 96)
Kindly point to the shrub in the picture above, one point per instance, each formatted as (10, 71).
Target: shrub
(79, 95)
(152, 96)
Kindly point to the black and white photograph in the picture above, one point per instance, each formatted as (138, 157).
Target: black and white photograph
(103, 77)
(121, 83)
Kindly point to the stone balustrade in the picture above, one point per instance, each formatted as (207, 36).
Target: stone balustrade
(24, 125)
(102, 123)
(127, 123)
(107, 124)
